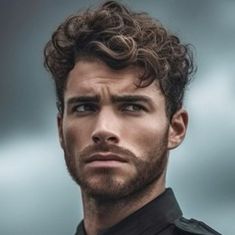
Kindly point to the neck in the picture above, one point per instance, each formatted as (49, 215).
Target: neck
(102, 214)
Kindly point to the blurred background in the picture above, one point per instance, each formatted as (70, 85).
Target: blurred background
(37, 196)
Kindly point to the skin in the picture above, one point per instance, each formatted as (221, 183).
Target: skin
(138, 131)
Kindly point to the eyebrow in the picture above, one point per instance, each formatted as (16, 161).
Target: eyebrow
(114, 99)
(130, 98)
(84, 98)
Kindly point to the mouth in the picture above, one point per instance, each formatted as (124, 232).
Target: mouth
(105, 160)
(105, 157)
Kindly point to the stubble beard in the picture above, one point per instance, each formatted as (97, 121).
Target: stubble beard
(148, 169)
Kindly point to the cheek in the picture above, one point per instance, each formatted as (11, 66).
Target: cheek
(75, 136)
(143, 135)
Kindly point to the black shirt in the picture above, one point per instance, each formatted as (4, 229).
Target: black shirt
(162, 216)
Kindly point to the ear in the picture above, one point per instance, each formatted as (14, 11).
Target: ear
(60, 128)
(178, 127)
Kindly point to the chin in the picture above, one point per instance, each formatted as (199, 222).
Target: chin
(104, 187)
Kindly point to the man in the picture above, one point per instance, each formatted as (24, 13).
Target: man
(120, 78)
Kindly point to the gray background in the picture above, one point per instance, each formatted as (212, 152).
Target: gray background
(37, 195)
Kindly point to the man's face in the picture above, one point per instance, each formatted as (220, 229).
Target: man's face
(115, 136)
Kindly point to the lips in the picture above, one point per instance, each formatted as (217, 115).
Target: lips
(105, 157)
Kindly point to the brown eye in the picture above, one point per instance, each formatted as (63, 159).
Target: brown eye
(84, 108)
(133, 108)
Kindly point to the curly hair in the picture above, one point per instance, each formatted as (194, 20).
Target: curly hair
(119, 37)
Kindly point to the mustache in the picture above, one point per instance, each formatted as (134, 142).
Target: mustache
(85, 154)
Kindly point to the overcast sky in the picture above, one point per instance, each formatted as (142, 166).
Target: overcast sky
(37, 195)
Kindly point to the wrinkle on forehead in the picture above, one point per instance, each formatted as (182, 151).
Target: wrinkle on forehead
(94, 77)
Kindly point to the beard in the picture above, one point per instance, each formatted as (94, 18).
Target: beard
(104, 184)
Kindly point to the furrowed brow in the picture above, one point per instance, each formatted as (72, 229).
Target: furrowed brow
(130, 98)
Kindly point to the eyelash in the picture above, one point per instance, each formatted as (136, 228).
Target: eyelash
(140, 107)
(94, 108)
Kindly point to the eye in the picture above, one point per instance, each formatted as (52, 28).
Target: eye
(84, 108)
(133, 108)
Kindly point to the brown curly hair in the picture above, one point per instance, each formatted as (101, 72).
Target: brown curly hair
(120, 38)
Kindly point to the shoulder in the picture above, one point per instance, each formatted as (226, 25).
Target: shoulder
(194, 227)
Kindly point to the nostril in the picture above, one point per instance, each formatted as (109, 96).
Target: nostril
(96, 139)
(112, 139)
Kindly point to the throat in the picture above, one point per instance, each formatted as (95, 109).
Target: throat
(101, 214)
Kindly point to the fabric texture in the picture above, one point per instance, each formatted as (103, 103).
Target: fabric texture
(162, 216)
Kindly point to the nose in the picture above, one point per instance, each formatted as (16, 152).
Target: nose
(106, 129)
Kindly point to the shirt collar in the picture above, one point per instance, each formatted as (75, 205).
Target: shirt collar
(154, 216)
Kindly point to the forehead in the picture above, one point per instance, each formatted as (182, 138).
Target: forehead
(93, 77)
